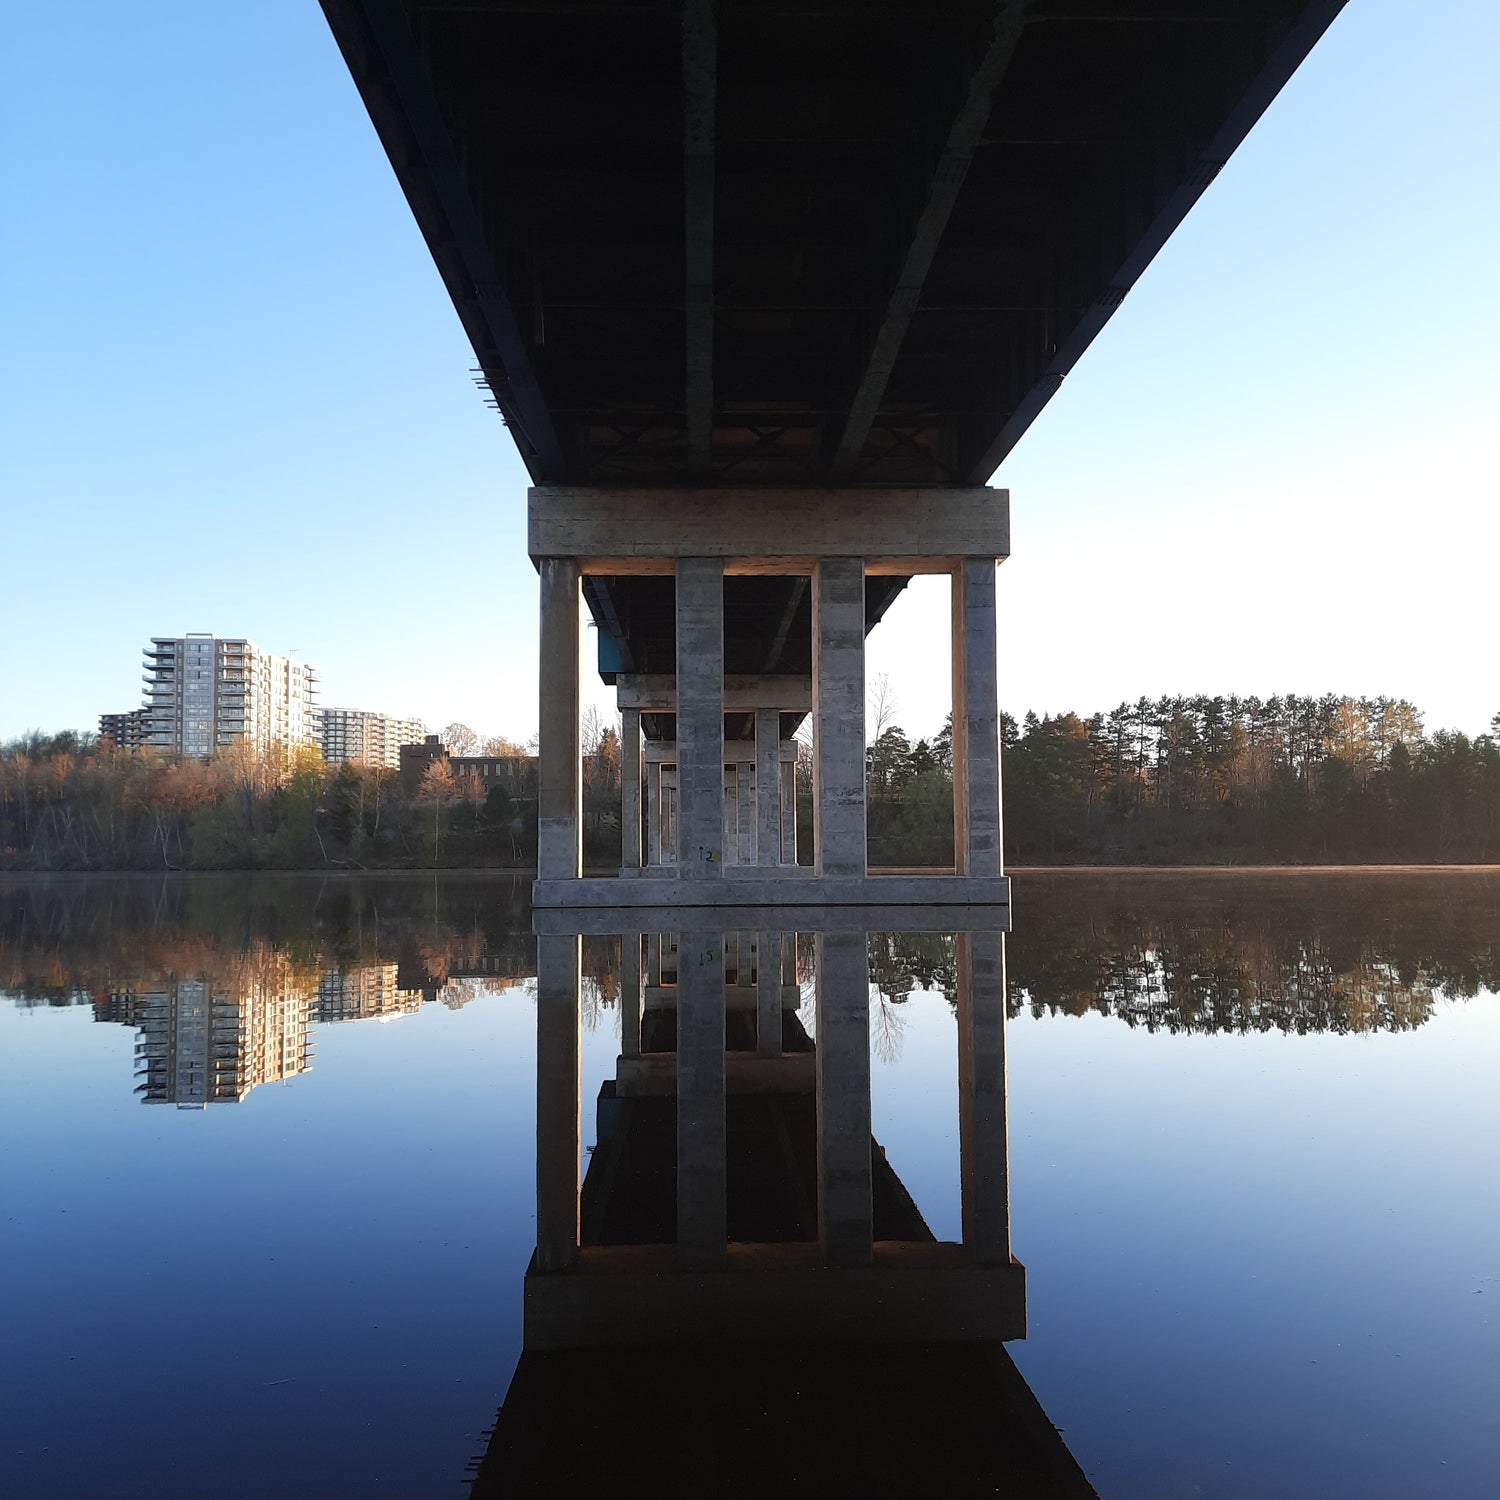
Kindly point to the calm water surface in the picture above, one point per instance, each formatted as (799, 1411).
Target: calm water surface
(269, 1145)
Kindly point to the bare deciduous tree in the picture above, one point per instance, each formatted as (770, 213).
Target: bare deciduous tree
(460, 739)
(592, 729)
(882, 707)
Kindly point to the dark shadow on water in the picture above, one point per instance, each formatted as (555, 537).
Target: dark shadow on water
(899, 1420)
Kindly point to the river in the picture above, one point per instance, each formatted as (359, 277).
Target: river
(270, 1151)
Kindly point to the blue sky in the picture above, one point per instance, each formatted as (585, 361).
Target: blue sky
(236, 398)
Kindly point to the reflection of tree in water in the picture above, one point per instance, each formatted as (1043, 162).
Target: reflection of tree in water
(1297, 954)
(75, 941)
(887, 1029)
(599, 965)
(901, 962)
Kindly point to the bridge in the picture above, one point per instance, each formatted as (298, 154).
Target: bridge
(764, 292)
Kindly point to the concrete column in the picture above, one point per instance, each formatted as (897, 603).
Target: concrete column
(653, 959)
(845, 1212)
(768, 786)
(976, 721)
(559, 747)
(700, 717)
(838, 631)
(731, 808)
(630, 790)
(630, 994)
(669, 815)
(702, 1233)
(984, 1168)
(789, 813)
(744, 786)
(768, 986)
(653, 812)
(673, 806)
(557, 1130)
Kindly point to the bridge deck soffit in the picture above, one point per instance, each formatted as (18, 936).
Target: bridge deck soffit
(764, 244)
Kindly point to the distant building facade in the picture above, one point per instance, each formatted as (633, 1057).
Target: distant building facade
(128, 731)
(370, 739)
(205, 693)
(416, 758)
(516, 773)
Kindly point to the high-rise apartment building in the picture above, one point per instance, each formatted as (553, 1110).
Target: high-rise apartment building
(368, 738)
(204, 693)
(127, 731)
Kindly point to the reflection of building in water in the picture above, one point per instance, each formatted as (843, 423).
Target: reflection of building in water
(740, 1245)
(122, 1007)
(207, 1041)
(212, 1038)
(454, 967)
(364, 991)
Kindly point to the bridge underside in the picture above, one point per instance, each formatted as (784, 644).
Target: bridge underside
(743, 249)
(770, 243)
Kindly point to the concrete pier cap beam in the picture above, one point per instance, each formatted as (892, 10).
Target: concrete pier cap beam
(625, 532)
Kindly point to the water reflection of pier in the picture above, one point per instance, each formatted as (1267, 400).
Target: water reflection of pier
(741, 1242)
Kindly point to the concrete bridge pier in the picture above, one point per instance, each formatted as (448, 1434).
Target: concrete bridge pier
(720, 814)
(559, 725)
(838, 646)
(630, 791)
(700, 718)
(760, 804)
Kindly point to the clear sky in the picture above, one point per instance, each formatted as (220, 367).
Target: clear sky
(234, 397)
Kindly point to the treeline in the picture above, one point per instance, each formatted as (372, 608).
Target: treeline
(75, 802)
(1160, 781)
(1203, 780)
(72, 802)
